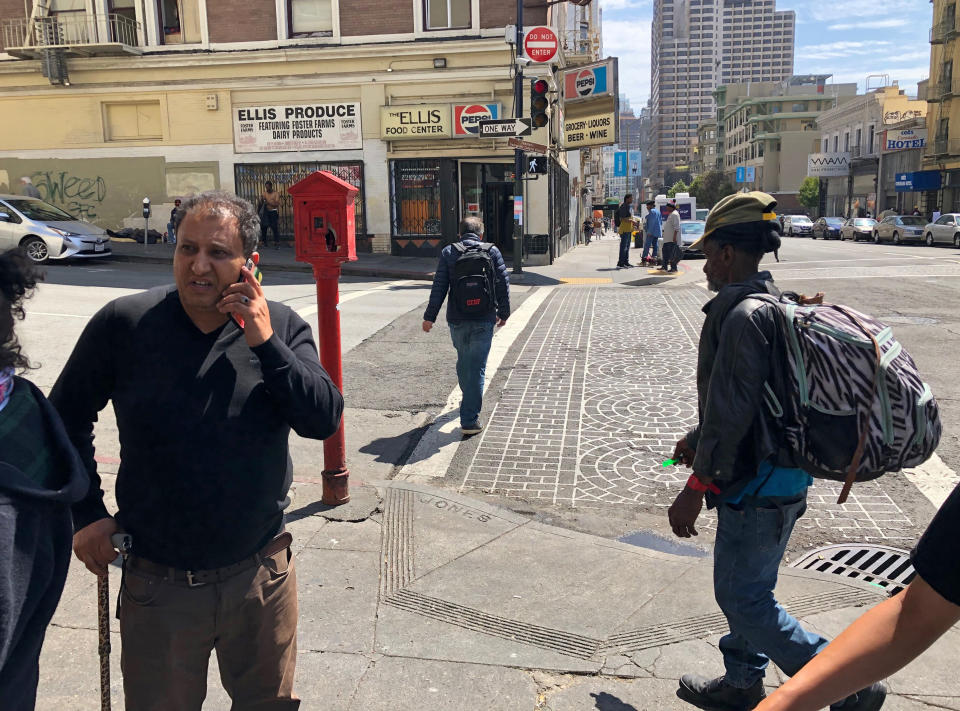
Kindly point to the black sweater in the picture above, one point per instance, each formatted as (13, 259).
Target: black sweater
(203, 421)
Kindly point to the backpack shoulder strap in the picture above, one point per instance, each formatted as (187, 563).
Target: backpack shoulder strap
(460, 247)
(486, 246)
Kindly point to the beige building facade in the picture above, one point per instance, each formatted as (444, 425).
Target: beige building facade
(110, 101)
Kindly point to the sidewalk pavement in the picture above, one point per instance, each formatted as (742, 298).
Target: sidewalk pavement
(413, 597)
(585, 264)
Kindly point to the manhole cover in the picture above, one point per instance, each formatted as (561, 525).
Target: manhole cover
(910, 320)
(883, 566)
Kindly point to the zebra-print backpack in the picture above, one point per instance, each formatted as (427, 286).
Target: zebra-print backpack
(856, 406)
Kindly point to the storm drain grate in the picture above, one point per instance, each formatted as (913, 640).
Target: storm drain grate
(883, 566)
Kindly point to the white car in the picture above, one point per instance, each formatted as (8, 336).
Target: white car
(690, 232)
(946, 229)
(794, 225)
(46, 232)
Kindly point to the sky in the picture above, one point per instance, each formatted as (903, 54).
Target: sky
(847, 38)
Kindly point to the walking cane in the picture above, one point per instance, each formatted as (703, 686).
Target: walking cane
(122, 542)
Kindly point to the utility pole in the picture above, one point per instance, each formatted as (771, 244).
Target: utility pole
(518, 153)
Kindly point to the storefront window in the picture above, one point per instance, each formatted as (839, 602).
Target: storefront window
(416, 197)
(471, 190)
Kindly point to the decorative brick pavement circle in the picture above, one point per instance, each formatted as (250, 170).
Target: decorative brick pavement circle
(599, 395)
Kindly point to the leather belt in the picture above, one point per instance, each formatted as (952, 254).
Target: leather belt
(196, 578)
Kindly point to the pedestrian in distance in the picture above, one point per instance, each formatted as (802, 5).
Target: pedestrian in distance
(653, 229)
(890, 635)
(916, 210)
(671, 239)
(472, 272)
(624, 220)
(738, 463)
(171, 232)
(204, 408)
(269, 212)
(28, 189)
(40, 477)
(587, 230)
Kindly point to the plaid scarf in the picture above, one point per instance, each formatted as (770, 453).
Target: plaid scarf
(6, 386)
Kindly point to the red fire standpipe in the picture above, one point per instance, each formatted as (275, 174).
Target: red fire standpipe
(336, 488)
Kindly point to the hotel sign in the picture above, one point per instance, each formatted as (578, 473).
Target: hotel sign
(904, 139)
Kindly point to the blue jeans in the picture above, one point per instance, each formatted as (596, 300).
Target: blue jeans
(650, 243)
(171, 235)
(624, 250)
(472, 340)
(751, 539)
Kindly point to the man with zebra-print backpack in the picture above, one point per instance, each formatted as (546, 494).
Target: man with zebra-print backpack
(742, 465)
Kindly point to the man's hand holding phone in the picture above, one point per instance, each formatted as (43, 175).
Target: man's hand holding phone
(245, 301)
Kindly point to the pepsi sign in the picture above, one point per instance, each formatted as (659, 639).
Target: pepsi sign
(467, 118)
(589, 82)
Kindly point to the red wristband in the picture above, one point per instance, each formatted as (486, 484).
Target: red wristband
(694, 483)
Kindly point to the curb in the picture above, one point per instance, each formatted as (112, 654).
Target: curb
(346, 270)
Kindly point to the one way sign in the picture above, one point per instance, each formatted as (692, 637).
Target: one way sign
(499, 128)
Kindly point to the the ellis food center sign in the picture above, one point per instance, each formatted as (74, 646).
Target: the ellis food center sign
(423, 121)
(590, 110)
(302, 127)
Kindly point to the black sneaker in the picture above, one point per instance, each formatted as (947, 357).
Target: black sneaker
(869, 699)
(475, 428)
(718, 695)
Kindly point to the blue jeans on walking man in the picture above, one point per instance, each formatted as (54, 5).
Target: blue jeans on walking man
(751, 540)
(624, 250)
(472, 340)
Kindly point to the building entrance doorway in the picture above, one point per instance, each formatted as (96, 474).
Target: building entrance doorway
(487, 193)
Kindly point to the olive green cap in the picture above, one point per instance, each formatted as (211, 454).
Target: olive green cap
(738, 209)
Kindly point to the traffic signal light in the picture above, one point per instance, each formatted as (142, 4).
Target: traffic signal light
(539, 103)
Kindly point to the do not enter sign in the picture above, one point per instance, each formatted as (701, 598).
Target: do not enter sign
(540, 44)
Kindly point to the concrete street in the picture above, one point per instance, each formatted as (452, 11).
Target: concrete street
(485, 573)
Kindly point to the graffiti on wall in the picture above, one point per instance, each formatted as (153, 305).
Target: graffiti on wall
(898, 116)
(80, 196)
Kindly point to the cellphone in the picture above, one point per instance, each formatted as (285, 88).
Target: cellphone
(252, 265)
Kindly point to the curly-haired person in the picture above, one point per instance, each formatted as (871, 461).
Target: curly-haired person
(41, 475)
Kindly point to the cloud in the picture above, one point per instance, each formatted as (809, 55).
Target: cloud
(629, 41)
(823, 11)
(871, 25)
(616, 5)
(841, 50)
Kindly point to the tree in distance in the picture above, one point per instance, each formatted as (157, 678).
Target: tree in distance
(678, 187)
(809, 195)
(709, 188)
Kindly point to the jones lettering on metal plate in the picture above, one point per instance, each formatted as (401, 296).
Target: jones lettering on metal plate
(267, 128)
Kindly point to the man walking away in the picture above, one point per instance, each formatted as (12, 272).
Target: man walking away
(671, 239)
(269, 214)
(653, 229)
(474, 275)
(204, 409)
(624, 220)
(757, 488)
(28, 189)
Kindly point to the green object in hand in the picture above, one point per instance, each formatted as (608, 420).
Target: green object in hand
(670, 463)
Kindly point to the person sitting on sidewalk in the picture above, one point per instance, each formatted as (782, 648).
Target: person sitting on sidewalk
(204, 409)
(40, 477)
(653, 231)
(624, 219)
(889, 636)
(757, 488)
(470, 265)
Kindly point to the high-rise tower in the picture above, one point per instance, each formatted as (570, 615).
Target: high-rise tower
(700, 44)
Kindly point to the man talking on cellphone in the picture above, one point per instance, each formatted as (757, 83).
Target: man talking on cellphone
(204, 409)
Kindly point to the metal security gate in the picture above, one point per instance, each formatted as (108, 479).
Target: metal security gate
(423, 205)
(250, 178)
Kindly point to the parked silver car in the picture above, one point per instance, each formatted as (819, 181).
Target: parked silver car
(899, 228)
(946, 229)
(857, 228)
(690, 232)
(794, 225)
(47, 232)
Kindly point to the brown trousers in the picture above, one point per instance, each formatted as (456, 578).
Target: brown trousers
(168, 630)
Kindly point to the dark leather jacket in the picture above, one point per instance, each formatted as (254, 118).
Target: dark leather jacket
(741, 349)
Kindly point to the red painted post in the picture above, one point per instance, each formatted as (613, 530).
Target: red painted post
(325, 235)
(336, 477)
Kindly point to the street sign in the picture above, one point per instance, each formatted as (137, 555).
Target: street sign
(540, 44)
(499, 128)
(527, 145)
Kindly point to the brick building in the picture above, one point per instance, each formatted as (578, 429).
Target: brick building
(108, 101)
